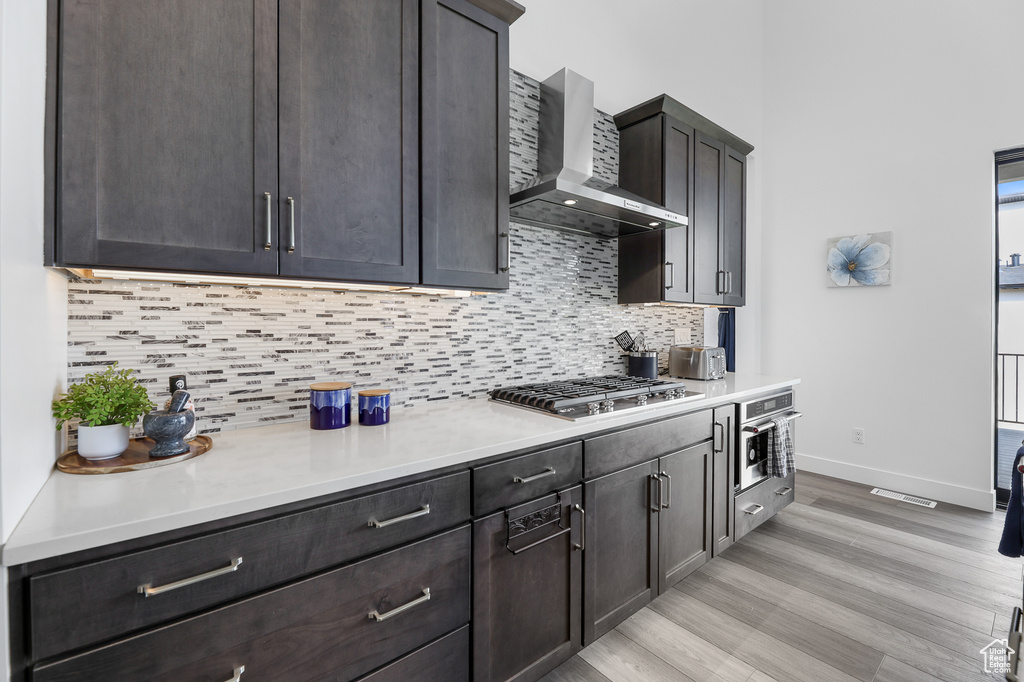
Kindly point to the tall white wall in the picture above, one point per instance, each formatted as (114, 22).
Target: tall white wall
(884, 116)
(707, 55)
(33, 300)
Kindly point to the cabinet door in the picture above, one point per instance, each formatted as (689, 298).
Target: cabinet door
(621, 559)
(678, 181)
(684, 528)
(465, 147)
(526, 589)
(706, 222)
(349, 140)
(723, 487)
(168, 134)
(734, 221)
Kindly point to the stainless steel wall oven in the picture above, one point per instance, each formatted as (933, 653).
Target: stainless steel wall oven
(755, 428)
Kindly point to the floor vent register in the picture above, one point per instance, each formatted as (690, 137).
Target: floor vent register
(903, 498)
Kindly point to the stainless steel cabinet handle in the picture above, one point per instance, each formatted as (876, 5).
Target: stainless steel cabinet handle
(148, 590)
(423, 511)
(539, 542)
(657, 507)
(670, 274)
(508, 251)
(291, 225)
(582, 545)
(757, 510)
(783, 491)
(270, 220)
(550, 471)
(238, 674)
(668, 496)
(374, 615)
(719, 425)
(728, 281)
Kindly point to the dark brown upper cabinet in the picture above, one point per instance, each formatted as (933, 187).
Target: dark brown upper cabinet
(465, 147)
(672, 155)
(167, 135)
(348, 204)
(308, 139)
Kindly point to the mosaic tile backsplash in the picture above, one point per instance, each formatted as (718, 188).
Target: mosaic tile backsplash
(250, 353)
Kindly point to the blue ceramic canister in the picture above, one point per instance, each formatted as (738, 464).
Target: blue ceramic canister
(329, 405)
(374, 407)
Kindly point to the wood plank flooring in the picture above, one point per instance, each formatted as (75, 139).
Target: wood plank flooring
(840, 586)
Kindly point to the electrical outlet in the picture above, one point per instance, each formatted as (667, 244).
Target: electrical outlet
(858, 436)
(682, 337)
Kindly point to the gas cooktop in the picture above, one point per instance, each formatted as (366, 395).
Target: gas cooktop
(593, 396)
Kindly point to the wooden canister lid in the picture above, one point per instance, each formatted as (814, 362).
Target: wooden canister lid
(330, 386)
(375, 392)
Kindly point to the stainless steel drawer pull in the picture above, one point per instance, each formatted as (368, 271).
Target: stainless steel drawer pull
(550, 471)
(728, 281)
(148, 590)
(423, 511)
(582, 545)
(508, 251)
(783, 491)
(374, 615)
(238, 674)
(670, 274)
(291, 225)
(270, 220)
(668, 496)
(757, 510)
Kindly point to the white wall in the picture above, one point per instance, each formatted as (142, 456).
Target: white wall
(33, 300)
(884, 116)
(705, 54)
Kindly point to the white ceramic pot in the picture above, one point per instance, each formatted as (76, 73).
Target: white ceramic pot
(102, 442)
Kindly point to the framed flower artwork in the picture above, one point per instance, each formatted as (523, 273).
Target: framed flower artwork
(862, 260)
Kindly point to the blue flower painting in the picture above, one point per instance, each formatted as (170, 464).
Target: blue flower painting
(860, 260)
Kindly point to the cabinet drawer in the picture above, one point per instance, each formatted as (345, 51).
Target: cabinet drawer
(314, 629)
(771, 496)
(605, 454)
(100, 600)
(446, 660)
(517, 480)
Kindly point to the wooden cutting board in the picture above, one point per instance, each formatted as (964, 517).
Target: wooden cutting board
(136, 457)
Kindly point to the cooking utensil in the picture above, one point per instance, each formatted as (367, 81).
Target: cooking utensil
(639, 344)
(624, 340)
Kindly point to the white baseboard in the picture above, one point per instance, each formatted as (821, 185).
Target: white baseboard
(984, 500)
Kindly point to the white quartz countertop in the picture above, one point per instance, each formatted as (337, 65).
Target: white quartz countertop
(252, 469)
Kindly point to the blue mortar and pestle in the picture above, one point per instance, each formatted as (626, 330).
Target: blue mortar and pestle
(168, 427)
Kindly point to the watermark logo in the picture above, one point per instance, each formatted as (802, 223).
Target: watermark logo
(997, 657)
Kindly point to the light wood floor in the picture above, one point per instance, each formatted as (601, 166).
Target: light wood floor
(842, 585)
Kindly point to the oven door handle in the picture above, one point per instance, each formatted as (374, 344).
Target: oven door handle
(764, 427)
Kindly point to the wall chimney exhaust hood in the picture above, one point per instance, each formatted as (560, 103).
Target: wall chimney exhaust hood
(566, 195)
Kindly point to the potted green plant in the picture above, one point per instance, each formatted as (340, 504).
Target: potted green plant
(108, 403)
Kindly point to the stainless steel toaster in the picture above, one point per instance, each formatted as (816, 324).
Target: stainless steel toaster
(696, 362)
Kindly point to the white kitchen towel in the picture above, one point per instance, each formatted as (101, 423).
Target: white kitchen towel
(780, 449)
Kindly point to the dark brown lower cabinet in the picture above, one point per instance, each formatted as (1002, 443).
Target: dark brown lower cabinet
(649, 527)
(684, 522)
(526, 588)
(723, 486)
(338, 625)
(620, 563)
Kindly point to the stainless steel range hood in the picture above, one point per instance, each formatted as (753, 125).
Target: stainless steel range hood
(565, 195)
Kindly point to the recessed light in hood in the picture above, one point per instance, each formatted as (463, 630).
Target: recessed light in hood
(565, 195)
